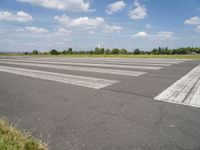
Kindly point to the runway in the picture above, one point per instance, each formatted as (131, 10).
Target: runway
(104, 103)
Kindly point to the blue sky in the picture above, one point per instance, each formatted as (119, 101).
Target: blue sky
(84, 24)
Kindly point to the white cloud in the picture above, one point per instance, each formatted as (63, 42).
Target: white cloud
(63, 31)
(36, 29)
(164, 35)
(139, 11)
(88, 24)
(65, 5)
(141, 34)
(110, 29)
(115, 7)
(20, 16)
(198, 29)
(80, 22)
(63, 19)
(160, 36)
(59, 35)
(193, 21)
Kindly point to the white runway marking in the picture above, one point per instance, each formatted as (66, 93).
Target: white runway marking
(133, 65)
(85, 69)
(118, 60)
(139, 64)
(185, 91)
(147, 61)
(95, 83)
(96, 65)
(134, 60)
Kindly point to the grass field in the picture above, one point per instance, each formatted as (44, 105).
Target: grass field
(13, 139)
(113, 56)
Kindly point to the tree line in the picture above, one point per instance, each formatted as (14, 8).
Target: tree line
(107, 51)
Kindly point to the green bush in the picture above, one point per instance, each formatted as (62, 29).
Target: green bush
(54, 52)
(35, 52)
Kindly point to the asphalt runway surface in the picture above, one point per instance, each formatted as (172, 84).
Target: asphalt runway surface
(104, 103)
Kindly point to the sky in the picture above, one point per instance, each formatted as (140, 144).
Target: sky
(26, 25)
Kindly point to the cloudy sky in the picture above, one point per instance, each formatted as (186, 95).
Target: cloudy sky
(83, 24)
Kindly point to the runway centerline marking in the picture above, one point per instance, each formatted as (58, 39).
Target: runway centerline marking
(185, 91)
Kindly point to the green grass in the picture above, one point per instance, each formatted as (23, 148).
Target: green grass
(12, 138)
(135, 56)
(113, 56)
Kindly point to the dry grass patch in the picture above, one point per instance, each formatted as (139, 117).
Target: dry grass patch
(12, 138)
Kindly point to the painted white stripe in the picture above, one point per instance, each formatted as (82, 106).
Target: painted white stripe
(138, 64)
(95, 63)
(99, 65)
(95, 83)
(155, 60)
(160, 61)
(148, 61)
(121, 59)
(194, 96)
(185, 91)
(85, 69)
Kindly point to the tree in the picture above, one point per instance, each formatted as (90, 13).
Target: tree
(91, 52)
(115, 51)
(54, 52)
(168, 51)
(143, 52)
(159, 50)
(99, 50)
(123, 51)
(197, 50)
(155, 51)
(70, 50)
(35, 52)
(137, 51)
(64, 52)
(108, 51)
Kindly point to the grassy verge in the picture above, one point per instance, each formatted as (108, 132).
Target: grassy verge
(13, 139)
(136, 56)
(113, 56)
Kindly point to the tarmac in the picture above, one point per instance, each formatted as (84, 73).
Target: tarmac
(104, 103)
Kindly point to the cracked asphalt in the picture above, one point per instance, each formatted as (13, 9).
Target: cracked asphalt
(123, 116)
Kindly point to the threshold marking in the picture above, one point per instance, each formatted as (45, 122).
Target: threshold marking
(94, 64)
(142, 61)
(89, 82)
(185, 91)
(84, 69)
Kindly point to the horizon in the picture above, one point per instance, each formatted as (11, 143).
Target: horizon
(74, 50)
